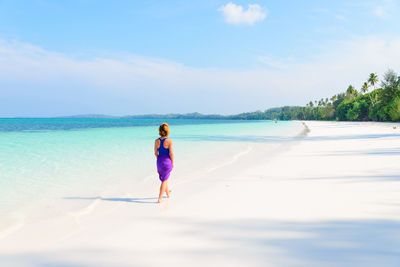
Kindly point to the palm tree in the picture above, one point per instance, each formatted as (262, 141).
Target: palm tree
(364, 88)
(350, 91)
(373, 79)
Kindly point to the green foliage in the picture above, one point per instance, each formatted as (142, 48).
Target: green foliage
(352, 115)
(382, 104)
(357, 109)
(393, 108)
(390, 79)
(377, 113)
(342, 109)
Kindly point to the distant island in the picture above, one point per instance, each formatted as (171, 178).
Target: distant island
(379, 104)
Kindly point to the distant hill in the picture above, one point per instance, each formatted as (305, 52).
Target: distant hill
(272, 113)
(88, 116)
(194, 115)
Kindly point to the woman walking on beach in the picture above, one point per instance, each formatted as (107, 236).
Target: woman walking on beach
(165, 158)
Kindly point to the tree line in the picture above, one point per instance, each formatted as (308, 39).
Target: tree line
(369, 103)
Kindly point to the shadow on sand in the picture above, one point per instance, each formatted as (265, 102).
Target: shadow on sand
(274, 139)
(141, 200)
(253, 243)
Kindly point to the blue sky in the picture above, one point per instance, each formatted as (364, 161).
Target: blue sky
(135, 57)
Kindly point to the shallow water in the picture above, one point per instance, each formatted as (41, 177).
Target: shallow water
(45, 160)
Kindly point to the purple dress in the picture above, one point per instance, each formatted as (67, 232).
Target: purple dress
(164, 163)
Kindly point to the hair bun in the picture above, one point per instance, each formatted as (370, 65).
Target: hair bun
(163, 130)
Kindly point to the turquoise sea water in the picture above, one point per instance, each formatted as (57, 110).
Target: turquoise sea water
(43, 160)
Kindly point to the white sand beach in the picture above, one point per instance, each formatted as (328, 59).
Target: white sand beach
(330, 198)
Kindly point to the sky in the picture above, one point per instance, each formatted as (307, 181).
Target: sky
(139, 57)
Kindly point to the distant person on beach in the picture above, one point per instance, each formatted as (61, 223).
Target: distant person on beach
(165, 158)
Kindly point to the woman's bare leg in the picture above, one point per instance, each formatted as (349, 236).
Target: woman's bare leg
(167, 191)
(162, 190)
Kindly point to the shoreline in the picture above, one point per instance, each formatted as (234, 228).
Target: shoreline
(321, 200)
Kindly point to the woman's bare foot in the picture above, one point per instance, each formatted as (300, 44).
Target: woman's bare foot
(159, 200)
(168, 193)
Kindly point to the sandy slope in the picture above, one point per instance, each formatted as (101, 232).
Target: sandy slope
(331, 198)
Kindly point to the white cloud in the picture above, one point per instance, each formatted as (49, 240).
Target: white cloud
(234, 14)
(384, 8)
(380, 12)
(38, 82)
(276, 63)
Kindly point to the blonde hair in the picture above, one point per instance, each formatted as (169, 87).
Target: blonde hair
(163, 130)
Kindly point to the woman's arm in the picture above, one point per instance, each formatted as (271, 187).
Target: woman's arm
(156, 145)
(171, 152)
